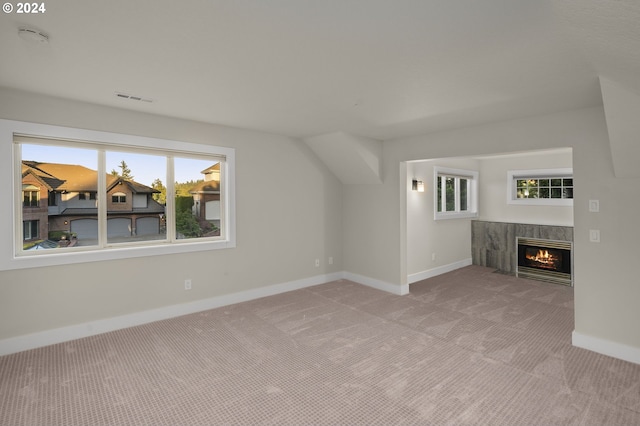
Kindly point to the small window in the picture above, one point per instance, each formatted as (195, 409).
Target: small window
(455, 194)
(53, 201)
(540, 187)
(30, 196)
(119, 198)
(30, 229)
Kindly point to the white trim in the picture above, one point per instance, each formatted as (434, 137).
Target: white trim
(65, 334)
(512, 175)
(430, 273)
(10, 173)
(400, 290)
(92, 328)
(606, 347)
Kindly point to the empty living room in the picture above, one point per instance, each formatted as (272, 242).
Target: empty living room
(296, 212)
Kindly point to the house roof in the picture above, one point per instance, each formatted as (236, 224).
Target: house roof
(207, 186)
(214, 168)
(75, 178)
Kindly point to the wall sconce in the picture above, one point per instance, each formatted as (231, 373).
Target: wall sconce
(66, 222)
(417, 185)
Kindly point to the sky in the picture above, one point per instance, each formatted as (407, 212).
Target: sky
(145, 168)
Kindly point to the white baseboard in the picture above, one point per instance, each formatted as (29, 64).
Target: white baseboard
(430, 273)
(377, 284)
(65, 334)
(606, 347)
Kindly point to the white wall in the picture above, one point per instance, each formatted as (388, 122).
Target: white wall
(493, 188)
(450, 239)
(606, 282)
(287, 216)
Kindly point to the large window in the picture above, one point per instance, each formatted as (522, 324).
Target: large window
(455, 193)
(114, 196)
(540, 187)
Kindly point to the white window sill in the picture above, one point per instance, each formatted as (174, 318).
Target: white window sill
(69, 256)
(453, 215)
(567, 202)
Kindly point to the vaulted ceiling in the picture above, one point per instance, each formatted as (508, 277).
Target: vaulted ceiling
(374, 68)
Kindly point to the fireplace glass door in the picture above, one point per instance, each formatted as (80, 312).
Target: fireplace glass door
(545, 260)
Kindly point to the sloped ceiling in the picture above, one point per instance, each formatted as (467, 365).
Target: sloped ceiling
(622, 112)
(374, 68)
(353, 159)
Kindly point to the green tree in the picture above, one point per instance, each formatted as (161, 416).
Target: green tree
(162, 196)
(186, 224)
(124, 173)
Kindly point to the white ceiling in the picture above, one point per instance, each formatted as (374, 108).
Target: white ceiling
(376, 68)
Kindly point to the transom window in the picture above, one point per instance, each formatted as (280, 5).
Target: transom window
(455, 193)
(555, 187)
(540, 187)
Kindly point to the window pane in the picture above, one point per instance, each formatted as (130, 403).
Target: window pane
(61, 219)
(450, 201)
(567, 182)
(567, 193)
(544, 193)
(198, 202)
(556, 192)
(521, 183)
(556, 182)
(463, 195)
(543, 182)
(133, 210)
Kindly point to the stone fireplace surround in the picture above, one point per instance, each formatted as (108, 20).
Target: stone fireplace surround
(493, 244)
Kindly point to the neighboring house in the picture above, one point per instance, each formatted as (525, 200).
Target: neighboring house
(63, 197)
(206, 196)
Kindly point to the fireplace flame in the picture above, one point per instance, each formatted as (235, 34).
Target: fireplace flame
(542, 256)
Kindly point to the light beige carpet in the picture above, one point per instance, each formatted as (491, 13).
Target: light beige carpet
(468, 347)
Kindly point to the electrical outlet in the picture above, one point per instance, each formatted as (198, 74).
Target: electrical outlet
(317, 263)
(330, 260)
(187, 284)
(433, 257)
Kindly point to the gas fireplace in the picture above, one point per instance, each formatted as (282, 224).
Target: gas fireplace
(545, 260)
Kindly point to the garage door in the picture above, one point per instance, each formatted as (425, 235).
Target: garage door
(85, 228)
(118, 227)
(148, 226)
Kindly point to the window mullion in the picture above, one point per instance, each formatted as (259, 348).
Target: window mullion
(443, 193)
(102, 198)
(456, 194)
(170, 206)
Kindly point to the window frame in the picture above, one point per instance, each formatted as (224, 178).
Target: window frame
(472, 177)
(514, 175)
(11, 255)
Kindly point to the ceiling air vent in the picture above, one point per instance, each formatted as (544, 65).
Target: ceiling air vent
(133, 97)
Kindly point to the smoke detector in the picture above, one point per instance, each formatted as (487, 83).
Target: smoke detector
(33, 35)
